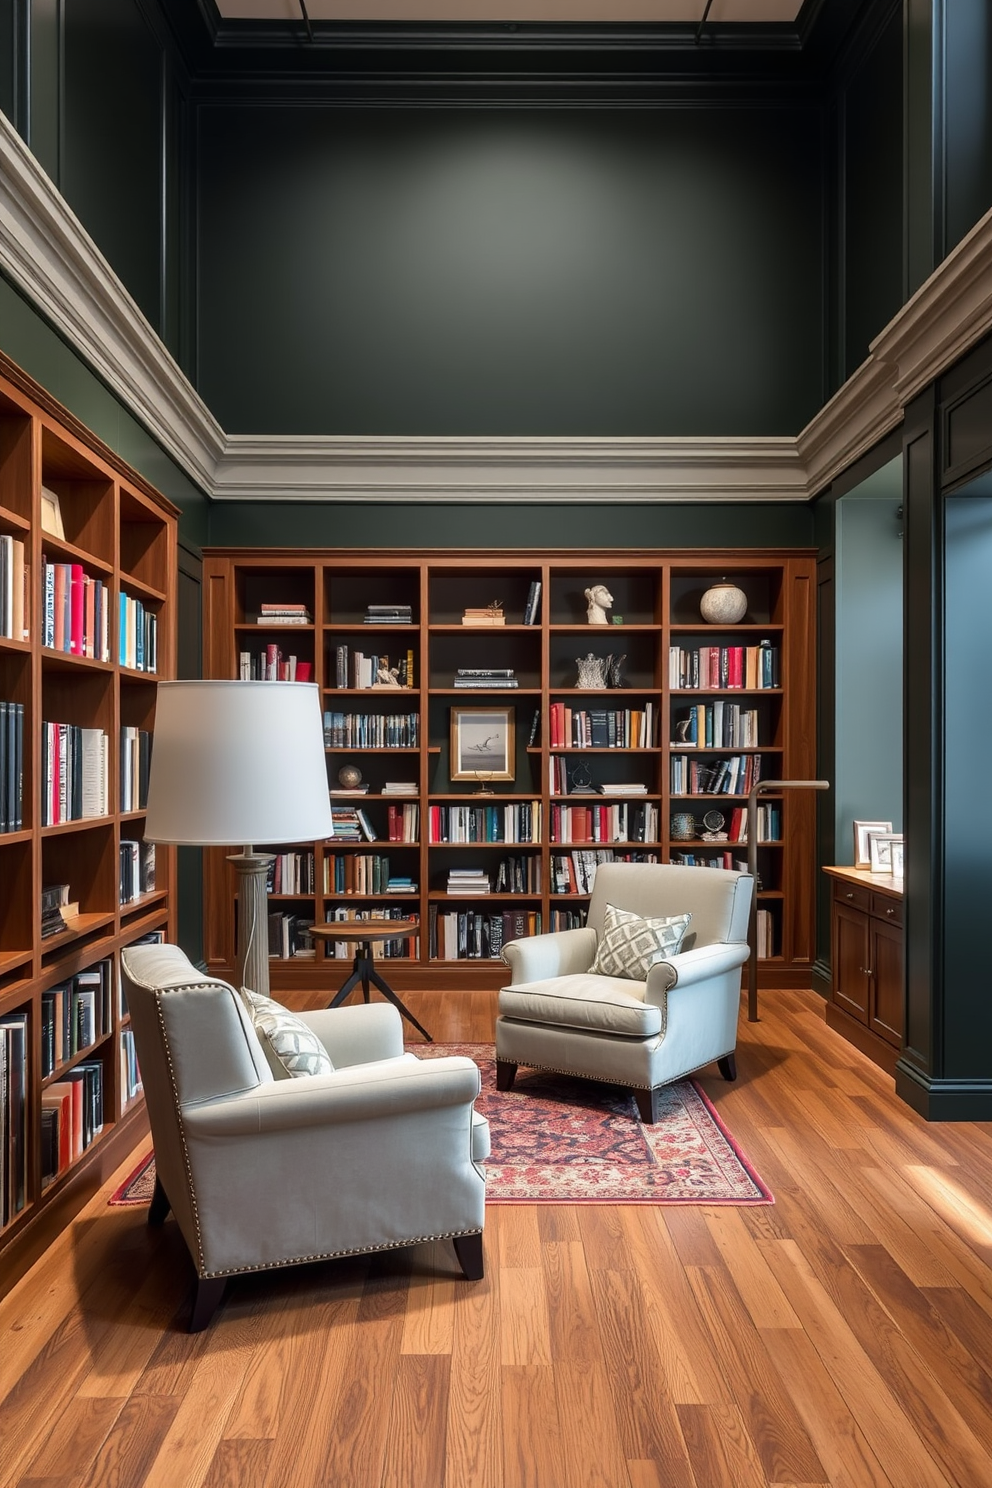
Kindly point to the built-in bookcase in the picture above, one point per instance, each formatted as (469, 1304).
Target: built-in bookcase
(87, 626)
(591, 772)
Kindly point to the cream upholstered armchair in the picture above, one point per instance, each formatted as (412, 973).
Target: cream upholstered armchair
(646, 992)
(282, 1138)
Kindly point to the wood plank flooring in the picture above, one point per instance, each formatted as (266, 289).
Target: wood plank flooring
(841, 1337)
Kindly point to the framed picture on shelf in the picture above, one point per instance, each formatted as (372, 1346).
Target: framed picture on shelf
(482, 744)
(51, 513)
(880, 847)
(898, 847)
(862, 834)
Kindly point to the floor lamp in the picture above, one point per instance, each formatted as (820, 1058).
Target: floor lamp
(239, 762)
(761, 788)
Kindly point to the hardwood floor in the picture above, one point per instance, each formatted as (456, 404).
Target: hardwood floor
(841, 1336)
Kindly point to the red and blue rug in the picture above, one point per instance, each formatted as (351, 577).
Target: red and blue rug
(559, 1140)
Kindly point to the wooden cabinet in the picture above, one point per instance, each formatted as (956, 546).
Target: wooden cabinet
(867, 993)
(87, 625)
(566, 770)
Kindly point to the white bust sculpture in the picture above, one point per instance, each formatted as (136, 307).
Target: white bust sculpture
(599, 600)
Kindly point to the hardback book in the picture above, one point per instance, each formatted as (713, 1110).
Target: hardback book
(532, 602)
(483, 620)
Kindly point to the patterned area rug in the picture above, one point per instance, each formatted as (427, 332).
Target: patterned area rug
(557, 1140)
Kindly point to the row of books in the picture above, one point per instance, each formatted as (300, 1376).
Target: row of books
(371, 730)
(135, 763)
(75, 616)
(616, 821)
(718, 725)
(518, 875)
(733, 775)
(575, 872)
(136, 869)
(270, 665)
(138, 636)
(364, 873)
(724, 859)
(351, 824)
(354, 824)
(71, 1117)
(289, 937)
(513, 821)
(292, 873)
(361, 669)
(75, 1014)
(602, 728)
(74, 773)
(567, 919)
(13, 1114)
(13, 588)
(11, 766)
(749, 667)
(401, 947)
(470, 934)
(768, 821)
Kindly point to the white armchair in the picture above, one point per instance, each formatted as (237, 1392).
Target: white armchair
(656, 1022)
(379, 1151)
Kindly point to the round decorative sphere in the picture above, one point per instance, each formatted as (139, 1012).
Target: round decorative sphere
(683, 827)
(350, 777)
(723, 604)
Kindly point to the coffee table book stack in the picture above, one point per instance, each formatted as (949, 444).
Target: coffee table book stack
(77, 682)
(615, 771)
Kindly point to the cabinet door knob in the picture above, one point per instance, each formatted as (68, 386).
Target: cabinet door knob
(890, 911)
(849, 894)
(867, 971)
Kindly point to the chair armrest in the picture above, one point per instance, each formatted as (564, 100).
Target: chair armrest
(362, 1093)
(562, 953)
(693, 966)
(359, 1034)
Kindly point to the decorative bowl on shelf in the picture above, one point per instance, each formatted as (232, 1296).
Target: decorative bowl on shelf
(682, 826)
(723, 604)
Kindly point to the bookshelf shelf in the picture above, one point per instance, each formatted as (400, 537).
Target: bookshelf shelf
(657, 593)
(119, 540)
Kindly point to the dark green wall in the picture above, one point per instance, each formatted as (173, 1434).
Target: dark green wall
(510, 272)
(968, 114)
(511, 525)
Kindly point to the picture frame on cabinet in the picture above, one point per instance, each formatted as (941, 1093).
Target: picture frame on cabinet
(880, 847)
(898, 857)
(482, 744)
(862, 835)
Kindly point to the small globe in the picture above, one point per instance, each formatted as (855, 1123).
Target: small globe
(350, 777)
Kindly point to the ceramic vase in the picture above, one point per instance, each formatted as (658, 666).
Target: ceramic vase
(723, 604)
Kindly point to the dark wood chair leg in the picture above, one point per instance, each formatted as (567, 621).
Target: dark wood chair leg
(468, 1250)
(207, 1296)
(647, 1104)
(728, 1066)
(506, 1073)
(159, 1206)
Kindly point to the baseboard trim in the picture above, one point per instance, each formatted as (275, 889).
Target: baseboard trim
(943, 1100)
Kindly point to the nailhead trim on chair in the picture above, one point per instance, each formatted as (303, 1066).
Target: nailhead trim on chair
(330, 1255)
(198, 1258)
(553, 1069)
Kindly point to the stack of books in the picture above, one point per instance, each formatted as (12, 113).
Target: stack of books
(388, 614)
(485, 677)
(623, 788)
(53, 897)
(398, 884)
(489, 615)
(283, 614)
(400, 788)
(467, 881)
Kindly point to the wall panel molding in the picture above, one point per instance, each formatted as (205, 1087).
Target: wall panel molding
(48, 256)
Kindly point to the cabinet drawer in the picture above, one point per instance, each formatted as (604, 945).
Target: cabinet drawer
(884, 907)
(856, 896)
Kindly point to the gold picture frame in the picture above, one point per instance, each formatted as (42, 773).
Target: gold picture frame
(483, 744)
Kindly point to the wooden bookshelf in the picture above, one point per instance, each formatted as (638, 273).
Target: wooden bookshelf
(116, 537)
(657, 595)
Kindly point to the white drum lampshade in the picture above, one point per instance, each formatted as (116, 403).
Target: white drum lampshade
(239, 762)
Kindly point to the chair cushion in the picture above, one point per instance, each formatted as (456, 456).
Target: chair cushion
(608, 1004)
(631, 944)
(291, 1048)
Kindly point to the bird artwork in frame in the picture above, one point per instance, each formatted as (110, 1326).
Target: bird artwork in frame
(482, 744)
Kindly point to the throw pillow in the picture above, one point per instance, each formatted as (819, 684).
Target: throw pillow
(291, 1048)
(631, 944)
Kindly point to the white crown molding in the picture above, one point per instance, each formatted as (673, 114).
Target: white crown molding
(48, 255)
(946, 315)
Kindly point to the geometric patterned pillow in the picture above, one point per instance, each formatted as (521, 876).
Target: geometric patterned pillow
(291, 1048)
(631, 944)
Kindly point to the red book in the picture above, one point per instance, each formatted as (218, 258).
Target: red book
(89, 618)
(303, 671)
(394, 820)
(77, 609)
(735, 677)
(59, 1095)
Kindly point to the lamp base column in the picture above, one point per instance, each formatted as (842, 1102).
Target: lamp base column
(252, 964)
